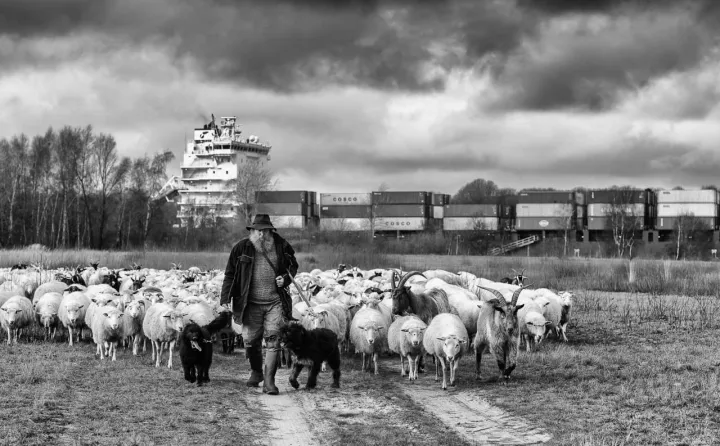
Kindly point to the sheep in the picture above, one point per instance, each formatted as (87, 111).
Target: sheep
(47, 308)
(556, 309)
(368, 333)
(133, 317)
(532, 323)
(498, 332)
(405, 337)
(161, 325)
(16, 314)
(567, 302)
(463, 301)
(447, 340)
(72, 313)
(48, 287)
(107, 329)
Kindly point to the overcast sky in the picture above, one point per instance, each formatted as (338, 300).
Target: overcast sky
(416, 94)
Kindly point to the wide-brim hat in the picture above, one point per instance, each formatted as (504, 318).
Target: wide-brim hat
(261, 221)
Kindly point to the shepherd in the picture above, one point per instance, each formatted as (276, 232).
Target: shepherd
(258, 272)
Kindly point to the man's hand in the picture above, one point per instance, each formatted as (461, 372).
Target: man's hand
(226, 306)
(279, 280)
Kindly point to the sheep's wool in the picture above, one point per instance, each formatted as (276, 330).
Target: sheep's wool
(262, 284)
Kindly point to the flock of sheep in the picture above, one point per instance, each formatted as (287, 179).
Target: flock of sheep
(373, 312)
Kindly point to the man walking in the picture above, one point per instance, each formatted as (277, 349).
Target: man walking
(255, 280)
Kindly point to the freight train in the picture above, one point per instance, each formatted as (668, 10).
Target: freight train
(592, 211)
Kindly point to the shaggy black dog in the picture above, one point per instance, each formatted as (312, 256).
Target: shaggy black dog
(196, 348)
(311, 348)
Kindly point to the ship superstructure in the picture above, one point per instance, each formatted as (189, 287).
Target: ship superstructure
(212, 163)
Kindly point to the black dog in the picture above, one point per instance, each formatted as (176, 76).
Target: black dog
(196, 348)
(311, 348)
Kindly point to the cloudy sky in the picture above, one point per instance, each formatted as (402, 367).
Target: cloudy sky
(416, 94)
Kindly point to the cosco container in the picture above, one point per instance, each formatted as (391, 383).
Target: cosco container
(603, 223)
(345, 224)
(281, 196)
(619, 196)
(470, 224)
(551, 197)
(669, 223)
(696, 209)
(545, 210)
(345, 211)
(281, 208)
(544, 223)
(602, 209)
(399, 224)
(339, 199)
(400, 198)
(400, 210)
(471, 210)
(289, 221)
(688, 196)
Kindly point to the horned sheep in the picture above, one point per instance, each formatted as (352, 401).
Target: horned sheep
(405, 337)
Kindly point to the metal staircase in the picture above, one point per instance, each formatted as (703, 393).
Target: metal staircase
(514, 245)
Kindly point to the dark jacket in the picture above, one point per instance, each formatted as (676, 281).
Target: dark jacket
(238, 272)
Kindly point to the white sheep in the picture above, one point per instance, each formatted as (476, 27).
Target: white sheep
(567, 301)
(46, 308)
(16, 314)
(556, 310)
(133, 317)
(531, 321)
(48, 287)
(405, 337)
(447, 339)
(462, 300)
(72, 313)
(161, 325)
(368, 333)
(107, 330)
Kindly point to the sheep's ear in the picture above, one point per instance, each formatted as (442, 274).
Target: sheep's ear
(79, 307)
(405, 330)
(548, 322)
(464, 341)
(546, 304)
(443, 338)
(380, 328)
(361, 327)
(106, 315)
(167, 316)
(140, 302)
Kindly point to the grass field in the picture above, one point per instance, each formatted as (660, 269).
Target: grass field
(640, 369)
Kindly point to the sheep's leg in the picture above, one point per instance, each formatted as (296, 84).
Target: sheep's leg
(71, 335)
(402, 365)
(170, 355)
(417, 366)
(562, 331)
(453, 371)
(375, 361)
(478, 358)
(9, 335)
(362, 367)
(441, 361)
(159, 347)
(437, 369)
(113, 349)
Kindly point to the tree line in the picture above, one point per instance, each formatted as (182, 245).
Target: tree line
(70, 188)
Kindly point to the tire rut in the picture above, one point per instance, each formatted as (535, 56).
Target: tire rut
(474, 419)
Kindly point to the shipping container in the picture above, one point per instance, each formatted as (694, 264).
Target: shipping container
(438, 212)
(281, 196)
(620, 196)
(558, 210)
(345, 224)
(346, 211)
(312, 197)
(602, 209)
(447, 199)
(696, 209)
(668, 223)
(470, 224)
(544, 223)
(400, 210)
(551, 197)
(400, 223)
(289, 221)
(438, 199)
(339, 199)
(400, 198)
(281, 208)
(601, 223)
(471, 210)
(688, 196)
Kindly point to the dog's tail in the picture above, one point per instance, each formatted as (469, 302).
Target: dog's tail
(220, 322)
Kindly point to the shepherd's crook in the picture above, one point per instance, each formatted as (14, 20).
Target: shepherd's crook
(302, 295)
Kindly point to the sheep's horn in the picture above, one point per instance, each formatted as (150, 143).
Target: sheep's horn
(409, 275)
(516, 294)
(497, 293)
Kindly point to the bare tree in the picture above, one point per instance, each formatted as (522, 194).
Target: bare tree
(253, 176)
(111, 171)
(566, 216)
(155, 179)
(86, 178)
(624, 221)
(15, 160)
(688, 234)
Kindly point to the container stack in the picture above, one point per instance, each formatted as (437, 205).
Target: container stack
(287, 209)
(636, 202)
(551, 210)
(470, 217)
(439, 201)
(401, 211)
(672, 204)
(345, 211)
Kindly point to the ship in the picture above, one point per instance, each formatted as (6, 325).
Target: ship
(212, 163)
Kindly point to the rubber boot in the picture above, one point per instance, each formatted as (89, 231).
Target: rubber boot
(254, 354)
(271, 365)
